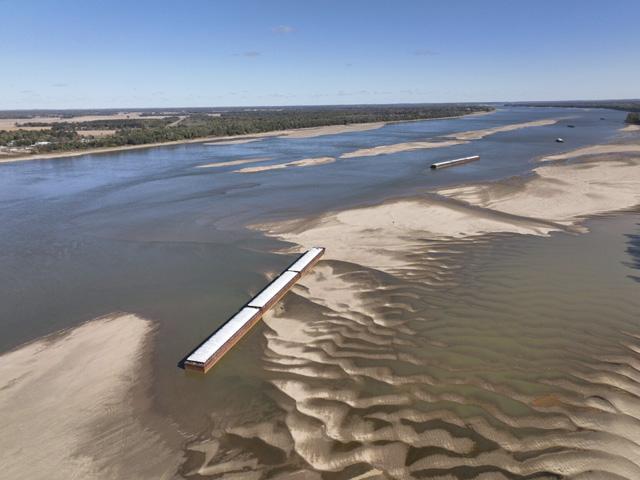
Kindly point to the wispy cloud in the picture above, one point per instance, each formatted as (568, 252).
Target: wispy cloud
(248, 54)
(424, 52)
(60, 85)
(283, 29)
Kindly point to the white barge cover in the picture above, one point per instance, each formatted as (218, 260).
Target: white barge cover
(457, 161)
(273, 289)
(304, 261)
(222, 335)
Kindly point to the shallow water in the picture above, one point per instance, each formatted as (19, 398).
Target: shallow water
(484, 353)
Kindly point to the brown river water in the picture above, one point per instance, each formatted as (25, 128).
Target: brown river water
(495, 356)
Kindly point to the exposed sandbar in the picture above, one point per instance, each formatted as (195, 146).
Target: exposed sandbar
(562, 193)
(232, 163)
(478, 134)
(399, 147)
(68, 409)
(331, 130)
(449, 140)
(594, 150)
(307, 162)
(556, 197)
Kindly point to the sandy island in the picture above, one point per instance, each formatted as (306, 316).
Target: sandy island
(305, 162)
(72, 406)
(554, 197)
(232, 163)
(445, 141)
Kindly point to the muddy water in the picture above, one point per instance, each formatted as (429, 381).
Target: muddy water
(508, 356)
(503, 354)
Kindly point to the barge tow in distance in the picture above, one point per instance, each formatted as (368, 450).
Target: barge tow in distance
(453, 163)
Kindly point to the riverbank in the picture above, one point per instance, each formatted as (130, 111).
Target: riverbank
(227, 140)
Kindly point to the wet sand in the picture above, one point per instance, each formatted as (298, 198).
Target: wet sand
(71, 406)
(460, 332)
(432, 342)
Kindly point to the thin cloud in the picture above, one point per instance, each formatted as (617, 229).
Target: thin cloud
(424, 52)
(60, 85)
(283, 29)
(249, 54)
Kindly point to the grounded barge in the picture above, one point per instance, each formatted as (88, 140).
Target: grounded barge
(213, 349)
(453, 163)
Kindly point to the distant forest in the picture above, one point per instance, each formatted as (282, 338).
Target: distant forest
(186, 124)
(624, 105)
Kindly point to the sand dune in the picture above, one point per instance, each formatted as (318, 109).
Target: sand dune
(69, 409)
(306, 162)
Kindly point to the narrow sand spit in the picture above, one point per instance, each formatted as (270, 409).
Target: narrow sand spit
(448, 140)
(307, 162)
(331, 130)
(232, 163)
(630, 128)
(398, 147)
(594, 150)
(69, 408)
(478, 134)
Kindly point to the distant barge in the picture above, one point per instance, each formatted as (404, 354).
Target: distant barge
(453, 163)
(220, 342)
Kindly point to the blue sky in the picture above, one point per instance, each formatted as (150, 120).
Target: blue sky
(142, 53)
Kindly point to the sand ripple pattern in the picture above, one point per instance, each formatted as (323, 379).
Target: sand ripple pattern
(430, 373)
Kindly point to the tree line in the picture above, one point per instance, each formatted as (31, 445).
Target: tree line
(64, 135)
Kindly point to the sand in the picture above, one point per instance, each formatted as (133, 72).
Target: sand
(306, 162)
(564, 194)
(594, 150)
(446, 141)
(232, 163)
(331, 130)
(478, 134)
(555, 197)
(399, 147)
(630, 128)
(70, 408)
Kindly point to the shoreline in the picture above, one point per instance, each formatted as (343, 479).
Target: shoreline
(292, 133)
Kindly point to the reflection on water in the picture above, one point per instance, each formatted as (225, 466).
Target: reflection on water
(508, 356)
